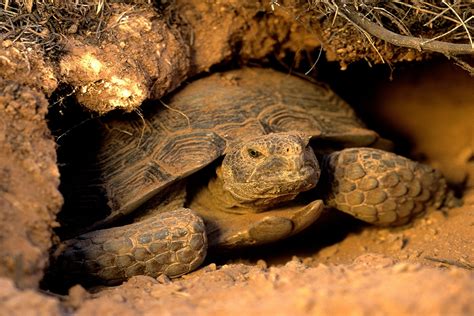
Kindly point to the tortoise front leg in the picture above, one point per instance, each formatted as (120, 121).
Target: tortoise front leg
(171, 243)
(381, 187)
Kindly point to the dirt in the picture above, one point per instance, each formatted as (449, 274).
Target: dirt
(134, 51)
(138, 57)
(29, 195)
(372, 284)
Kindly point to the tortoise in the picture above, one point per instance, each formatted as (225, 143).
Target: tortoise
(234, 160)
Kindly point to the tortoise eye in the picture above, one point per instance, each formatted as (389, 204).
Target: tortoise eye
(253, 153)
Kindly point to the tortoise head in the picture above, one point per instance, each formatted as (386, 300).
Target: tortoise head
(269, 169)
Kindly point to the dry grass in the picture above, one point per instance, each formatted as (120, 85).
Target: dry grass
(440, 26)
(45, 22)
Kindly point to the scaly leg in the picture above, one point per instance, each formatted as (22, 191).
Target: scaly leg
(171, 243)
(381, 187)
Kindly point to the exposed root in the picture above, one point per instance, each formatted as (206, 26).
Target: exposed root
(421, 26)
(405, 40)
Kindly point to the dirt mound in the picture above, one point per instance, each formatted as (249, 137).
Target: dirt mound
(29, 196)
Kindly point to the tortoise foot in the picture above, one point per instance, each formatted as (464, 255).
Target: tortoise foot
(381, 187)
(171, 243)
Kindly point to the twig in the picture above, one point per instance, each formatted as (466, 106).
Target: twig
(455, 263)
(403, 40)
(464, 65)
(446, 33)
(463, 23)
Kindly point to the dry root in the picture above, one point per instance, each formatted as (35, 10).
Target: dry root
(420, 26)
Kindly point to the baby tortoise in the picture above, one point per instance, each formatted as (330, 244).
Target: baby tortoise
(269, 127)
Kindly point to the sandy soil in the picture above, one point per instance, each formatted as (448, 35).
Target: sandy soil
(29, 176)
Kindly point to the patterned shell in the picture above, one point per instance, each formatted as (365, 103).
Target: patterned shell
(139, 158)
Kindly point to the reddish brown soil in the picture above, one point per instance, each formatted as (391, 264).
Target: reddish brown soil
(29, 177)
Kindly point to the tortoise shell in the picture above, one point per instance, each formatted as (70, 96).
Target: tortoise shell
(139, 158)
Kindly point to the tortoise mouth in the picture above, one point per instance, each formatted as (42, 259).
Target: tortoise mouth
(272, 191)
(307, 175)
